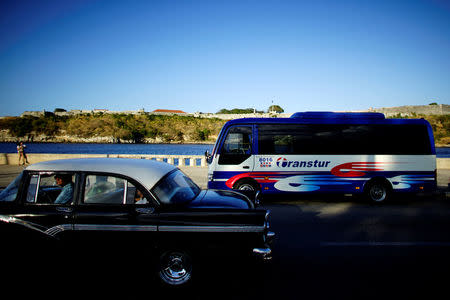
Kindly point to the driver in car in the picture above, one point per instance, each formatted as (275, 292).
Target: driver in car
(139, 198)
(66, 195)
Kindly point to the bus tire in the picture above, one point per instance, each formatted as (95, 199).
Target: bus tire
(248, 185)
(377, 191)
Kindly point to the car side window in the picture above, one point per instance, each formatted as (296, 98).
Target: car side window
(50, 188)
(106, 189)
(32, 189)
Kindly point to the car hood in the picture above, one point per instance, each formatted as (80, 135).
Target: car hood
(221, 199)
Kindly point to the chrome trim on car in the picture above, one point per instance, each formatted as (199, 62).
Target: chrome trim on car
(53, 231)
(267, 219)
(102, 227)
(30, 225)
(264, 253)
(7, 219)
(183, 228)
(270, 236)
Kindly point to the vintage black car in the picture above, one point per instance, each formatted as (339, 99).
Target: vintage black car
(148, 206)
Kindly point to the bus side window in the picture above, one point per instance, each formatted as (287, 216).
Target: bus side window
(237, 146)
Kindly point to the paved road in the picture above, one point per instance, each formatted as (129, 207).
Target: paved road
(326, 247)
(342, 249)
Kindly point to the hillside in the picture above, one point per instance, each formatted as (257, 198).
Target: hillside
(143, 128)
(110, 128)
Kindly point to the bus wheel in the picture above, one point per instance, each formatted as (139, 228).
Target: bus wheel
(377, 191)
(246, 185)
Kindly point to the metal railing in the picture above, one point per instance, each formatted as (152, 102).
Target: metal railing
(177, 160)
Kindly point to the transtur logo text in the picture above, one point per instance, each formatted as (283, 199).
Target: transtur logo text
(284, 163)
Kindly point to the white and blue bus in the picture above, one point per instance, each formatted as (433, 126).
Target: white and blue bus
(350, 153)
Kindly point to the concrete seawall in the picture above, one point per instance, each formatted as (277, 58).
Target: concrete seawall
(443, 163)
(179, 160)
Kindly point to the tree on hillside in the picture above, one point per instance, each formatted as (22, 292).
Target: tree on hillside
(276, 108)
(239, 111)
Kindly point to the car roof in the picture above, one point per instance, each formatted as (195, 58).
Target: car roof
(146, 172)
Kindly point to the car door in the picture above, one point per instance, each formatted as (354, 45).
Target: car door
(40, 209)
(107, 215)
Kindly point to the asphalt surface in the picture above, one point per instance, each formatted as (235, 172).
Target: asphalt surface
(329, 247)
(342, 248)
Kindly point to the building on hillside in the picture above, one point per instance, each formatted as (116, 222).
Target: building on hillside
(169, 111)
(412, 110)
(33, 113)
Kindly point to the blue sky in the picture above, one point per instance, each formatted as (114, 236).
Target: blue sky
(208, 55)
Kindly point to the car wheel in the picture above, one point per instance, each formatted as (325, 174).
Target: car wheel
(175, 268)
(377, 191)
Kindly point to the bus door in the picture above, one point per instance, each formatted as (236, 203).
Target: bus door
(235, 153)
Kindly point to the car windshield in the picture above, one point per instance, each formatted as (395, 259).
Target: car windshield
(9, 194)
(176, 188)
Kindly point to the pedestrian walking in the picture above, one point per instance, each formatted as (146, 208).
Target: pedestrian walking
(22, 155)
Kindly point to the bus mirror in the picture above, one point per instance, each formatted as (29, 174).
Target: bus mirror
(208, 157)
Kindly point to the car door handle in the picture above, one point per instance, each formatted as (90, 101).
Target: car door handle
(64, 209)
(145, 210)
(245, 167)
